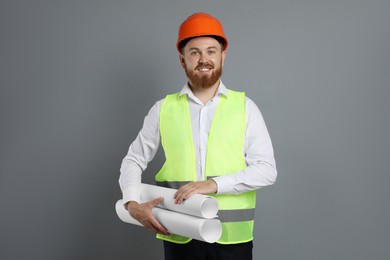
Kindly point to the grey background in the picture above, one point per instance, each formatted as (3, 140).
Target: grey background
(78, 77)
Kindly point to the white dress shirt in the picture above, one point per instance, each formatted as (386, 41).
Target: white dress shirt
(257, 149)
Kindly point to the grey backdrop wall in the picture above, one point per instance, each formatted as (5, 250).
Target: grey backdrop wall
(78, 77)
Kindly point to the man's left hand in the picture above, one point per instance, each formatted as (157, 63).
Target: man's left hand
(198, 187)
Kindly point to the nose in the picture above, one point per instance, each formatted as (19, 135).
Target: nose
(202, 58)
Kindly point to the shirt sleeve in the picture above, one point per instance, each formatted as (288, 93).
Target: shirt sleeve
(140, 153)
(259, 157)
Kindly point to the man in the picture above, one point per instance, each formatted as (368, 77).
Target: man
(215, 142)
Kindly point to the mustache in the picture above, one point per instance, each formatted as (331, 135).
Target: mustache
(204, 65)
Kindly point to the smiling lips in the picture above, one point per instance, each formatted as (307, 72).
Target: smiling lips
(204, 67)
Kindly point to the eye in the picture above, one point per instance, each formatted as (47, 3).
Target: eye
(194, 53)
(211, 52)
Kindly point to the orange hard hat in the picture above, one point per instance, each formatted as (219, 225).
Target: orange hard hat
(200, 24)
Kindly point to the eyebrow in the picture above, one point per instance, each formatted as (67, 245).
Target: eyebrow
(208, 48)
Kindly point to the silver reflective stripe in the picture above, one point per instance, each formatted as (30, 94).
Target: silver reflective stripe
(172, 184)
(176, 184)
(236, 215)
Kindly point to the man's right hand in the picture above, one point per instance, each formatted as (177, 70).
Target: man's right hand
(143, 213)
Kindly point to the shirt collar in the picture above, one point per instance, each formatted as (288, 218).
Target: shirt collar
(222, 90)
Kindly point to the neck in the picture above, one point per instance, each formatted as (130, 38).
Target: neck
(204, 94)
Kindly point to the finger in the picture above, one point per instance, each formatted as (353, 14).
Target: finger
(183, 196)
(179, 197)
(180, 191)
(185, 192)
(155, 202)
(150, 224)
(161, 229)
(178, 194)
(152, 228)
(157, 227)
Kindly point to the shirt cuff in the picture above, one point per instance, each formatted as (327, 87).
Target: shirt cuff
(131, 193)
(224, 184)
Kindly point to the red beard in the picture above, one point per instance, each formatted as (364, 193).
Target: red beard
(203, 81)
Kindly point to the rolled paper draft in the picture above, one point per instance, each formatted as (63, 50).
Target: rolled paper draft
(197, 205)
(207, 230)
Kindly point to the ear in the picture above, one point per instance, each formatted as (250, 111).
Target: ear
(181, 59)
(223, 57)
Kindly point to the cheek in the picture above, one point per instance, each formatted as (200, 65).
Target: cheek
(189, 64)
(216, 62)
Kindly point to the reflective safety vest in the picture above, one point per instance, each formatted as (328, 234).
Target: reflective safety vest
(223, 156)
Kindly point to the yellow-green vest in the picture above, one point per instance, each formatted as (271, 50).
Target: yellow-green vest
(223, 156)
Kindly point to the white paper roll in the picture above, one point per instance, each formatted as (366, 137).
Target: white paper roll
(208, 230)
(197, 205)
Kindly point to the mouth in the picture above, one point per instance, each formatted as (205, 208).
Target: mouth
(204, 68)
